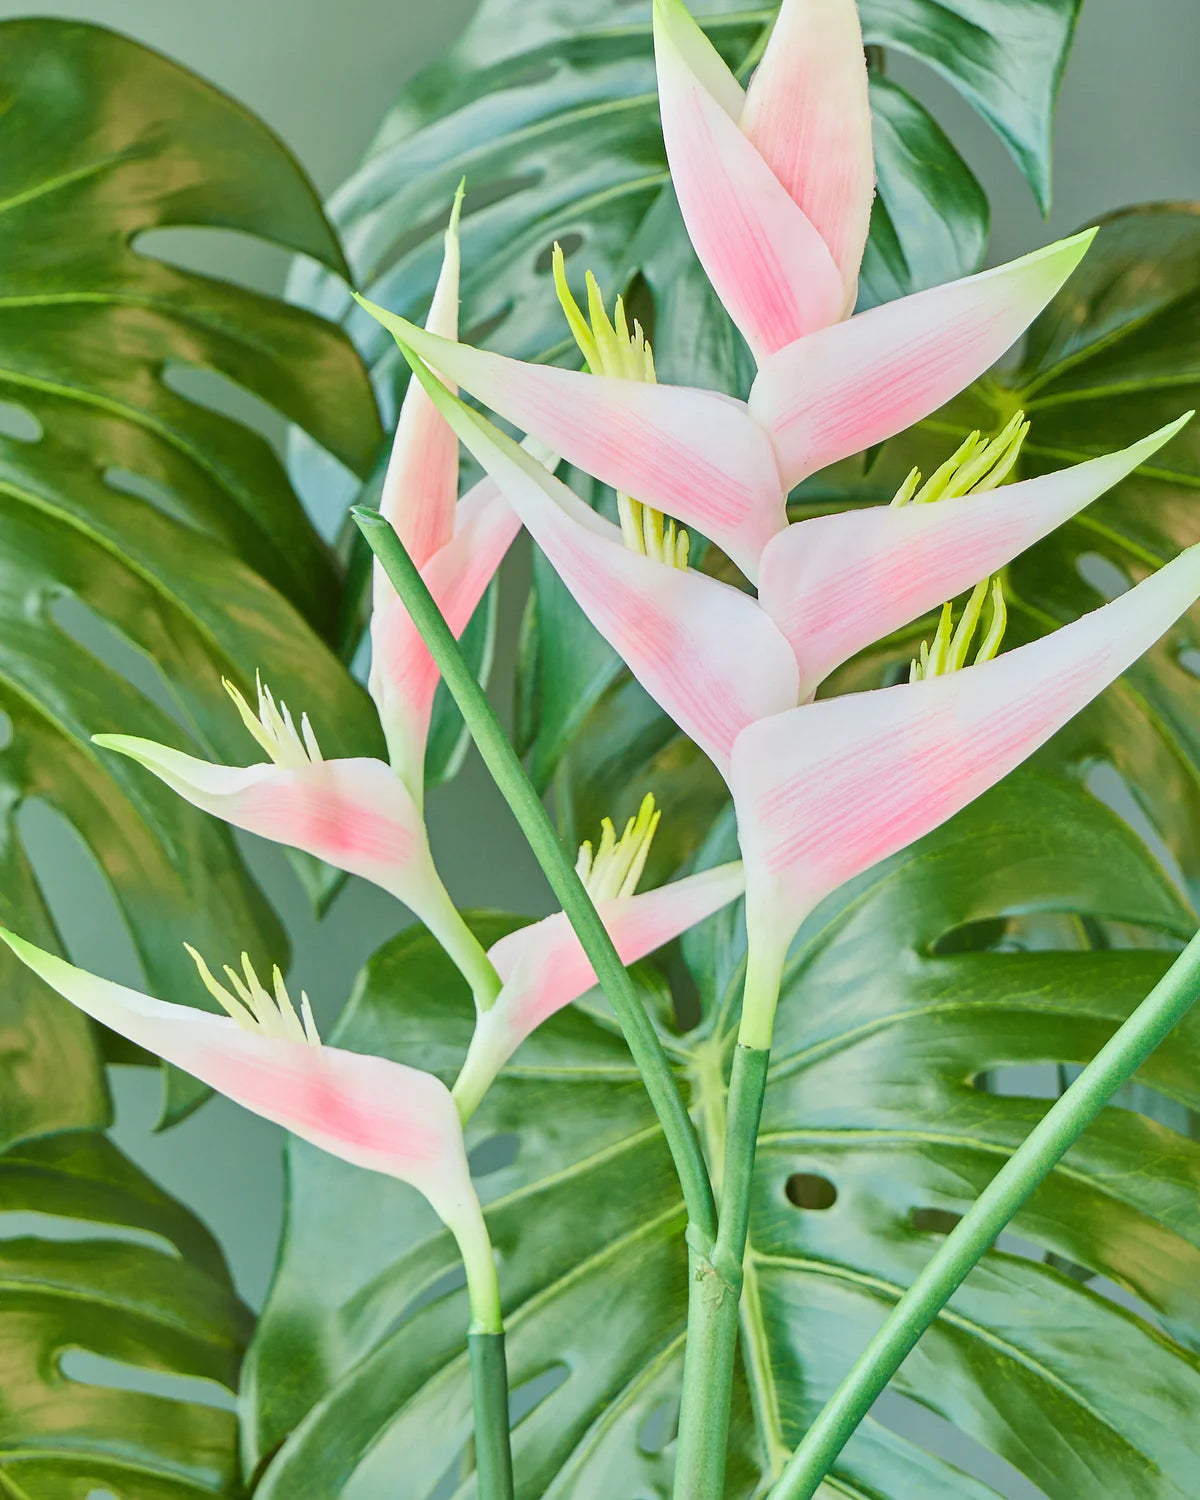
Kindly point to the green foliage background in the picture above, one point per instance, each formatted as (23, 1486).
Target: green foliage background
(1018, 935)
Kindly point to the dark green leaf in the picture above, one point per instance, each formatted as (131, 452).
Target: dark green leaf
(889, 1016)
(121, 1330)
(151, 544)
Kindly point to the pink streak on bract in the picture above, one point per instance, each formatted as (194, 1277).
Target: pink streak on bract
(768, 263)
(807, 113)
(827, 790)
(696, 455)
(544, 967)
(844, 388)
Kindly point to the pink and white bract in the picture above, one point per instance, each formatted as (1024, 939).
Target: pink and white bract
(367, 1110)
(544, 967)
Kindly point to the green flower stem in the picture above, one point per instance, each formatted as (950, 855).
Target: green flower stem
(509, 775)
(485, 1341)
(1059, 1128)
(714, 1293)
(489, 1388)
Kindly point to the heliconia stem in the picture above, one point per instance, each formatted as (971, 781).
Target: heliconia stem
(973, 1235)
(509, 775)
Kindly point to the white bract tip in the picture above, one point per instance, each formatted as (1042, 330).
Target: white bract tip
(274, 729)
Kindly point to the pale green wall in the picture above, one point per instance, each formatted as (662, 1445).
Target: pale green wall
(322, 74)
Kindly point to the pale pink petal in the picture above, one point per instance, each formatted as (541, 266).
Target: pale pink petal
(807, 113)
(836, 583)
(544, 968)
(844, 388)
(420, 487)
(766, 260)
(365, 1110)
(696, 455)
(703, 650)
(827, 790)
(403, 676)
(354, 814)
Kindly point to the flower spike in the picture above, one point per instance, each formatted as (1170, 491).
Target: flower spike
(826, 791)
(366, 1110)
(693, 454)
(686, 637)
(834, 584)
(808, 114)
(764, 256)
(253, 1008)
(615, 866)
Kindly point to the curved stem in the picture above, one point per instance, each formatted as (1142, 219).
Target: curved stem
(509, 775)
(1059, 1128)
(714, 1294)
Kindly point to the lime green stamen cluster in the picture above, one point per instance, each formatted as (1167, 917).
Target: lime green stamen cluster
(976, 465)
(611, 348)
(951, 646)
(274, 728)
(254, 1008)
(615, 866)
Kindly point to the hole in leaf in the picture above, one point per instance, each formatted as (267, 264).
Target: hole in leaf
(933, 1220)
(571, 244)
(19, 424)
(1189, 660)
(100, 1495)
(810, 1190)
(86, 1368)
(660, 1427)
(530, 1394)
(80, 899)
(155, 493)
(983, 936)
(206, 387)
(82, 624)
(1102, 574)
(494, 1154)
(230, 253)
(31, 1224)
(1107, 785)
(913, 1421)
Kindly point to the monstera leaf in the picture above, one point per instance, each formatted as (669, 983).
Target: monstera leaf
(876, 1135)
(122, 1333)
(139, 524)
(549, 110)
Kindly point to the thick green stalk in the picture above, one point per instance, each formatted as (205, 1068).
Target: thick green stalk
(1059, 1128)
(489, 1388)
(714, 1294)
(509, 775)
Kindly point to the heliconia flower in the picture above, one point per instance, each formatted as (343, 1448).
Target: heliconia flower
(776, 189)
(354, 814)
(775, 186)
(716, 663)
(366, 1110)
(544, 967)
(834, 584)
(825, 791)
(702, 649)
(457, 545)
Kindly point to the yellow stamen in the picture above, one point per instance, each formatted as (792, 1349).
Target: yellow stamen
(951, 646)
(976, 465)
(274, 729)
(610, 347)
(614, 867)
(253, 1007)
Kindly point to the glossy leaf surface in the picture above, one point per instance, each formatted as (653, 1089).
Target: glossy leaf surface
(150, 543)
(874, 1121)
